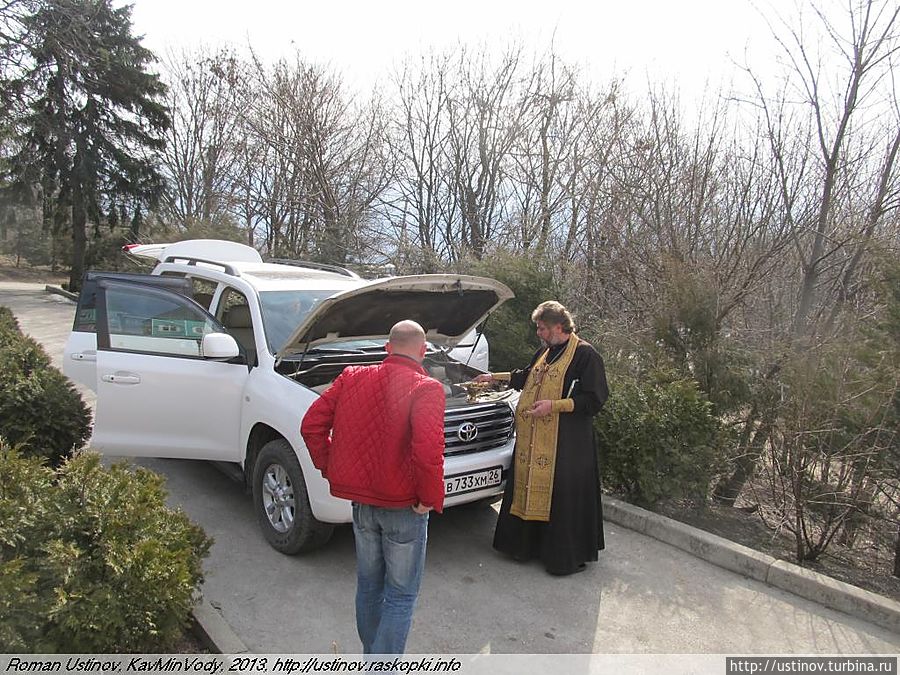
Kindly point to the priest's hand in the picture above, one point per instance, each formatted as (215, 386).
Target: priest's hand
(540, 408)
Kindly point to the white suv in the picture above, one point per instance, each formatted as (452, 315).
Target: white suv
(217, 355)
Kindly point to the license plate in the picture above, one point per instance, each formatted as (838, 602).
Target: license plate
(469, 482)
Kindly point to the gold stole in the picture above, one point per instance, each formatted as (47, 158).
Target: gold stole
(535, 454)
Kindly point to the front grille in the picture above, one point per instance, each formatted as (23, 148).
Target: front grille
(494, 422)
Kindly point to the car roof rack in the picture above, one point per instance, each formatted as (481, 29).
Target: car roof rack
(315, 266)
(185, 260)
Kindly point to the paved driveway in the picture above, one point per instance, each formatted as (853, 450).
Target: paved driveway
(642, 597)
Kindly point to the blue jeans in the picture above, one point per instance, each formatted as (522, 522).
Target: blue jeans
(390, 557)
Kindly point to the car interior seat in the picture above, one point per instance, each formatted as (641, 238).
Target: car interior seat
(239, 323)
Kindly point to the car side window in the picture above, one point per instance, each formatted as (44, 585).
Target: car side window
(231, 297)
(156, 324)
(234, 313)
(203, 291)
(86, 313)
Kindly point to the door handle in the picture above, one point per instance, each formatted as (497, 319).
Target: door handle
(122, 378)
(84, 356)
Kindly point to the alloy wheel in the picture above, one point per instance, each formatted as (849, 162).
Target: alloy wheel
(278, 498)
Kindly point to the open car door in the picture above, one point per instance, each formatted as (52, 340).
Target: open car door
(80, 354)
(158, 394)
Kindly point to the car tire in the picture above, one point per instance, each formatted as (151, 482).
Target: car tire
(282, 503)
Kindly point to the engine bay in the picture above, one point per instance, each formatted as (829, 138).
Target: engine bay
(319, 369)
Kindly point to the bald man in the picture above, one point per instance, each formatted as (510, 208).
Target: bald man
(377, 436)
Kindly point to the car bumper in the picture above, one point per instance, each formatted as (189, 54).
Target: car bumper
(336, 510)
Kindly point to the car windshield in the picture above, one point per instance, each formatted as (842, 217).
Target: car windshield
(283, 311)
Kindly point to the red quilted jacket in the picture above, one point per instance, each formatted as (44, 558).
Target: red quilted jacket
(377, 435)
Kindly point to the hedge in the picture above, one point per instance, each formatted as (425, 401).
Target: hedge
(40, 411)
(91, 558)
(658, 439)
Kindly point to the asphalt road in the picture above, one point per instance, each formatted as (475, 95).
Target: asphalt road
(642, 597)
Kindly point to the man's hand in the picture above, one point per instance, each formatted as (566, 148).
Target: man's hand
(421, 510)
(540, 408)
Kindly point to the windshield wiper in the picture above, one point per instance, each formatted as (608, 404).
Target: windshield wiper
(333, 350)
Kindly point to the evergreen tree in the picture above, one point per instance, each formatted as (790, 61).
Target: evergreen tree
(87, 117)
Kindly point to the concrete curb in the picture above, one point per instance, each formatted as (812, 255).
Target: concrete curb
(60, 291)
(214, 631)
(788, 577)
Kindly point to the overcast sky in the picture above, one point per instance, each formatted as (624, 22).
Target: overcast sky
(686, 41)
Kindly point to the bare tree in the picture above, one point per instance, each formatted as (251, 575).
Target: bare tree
(486, 118)
(326, 160)
(202, 155)
(867, 49)
(604, 118)
(821, 192)
(551, 131)
(423, 204)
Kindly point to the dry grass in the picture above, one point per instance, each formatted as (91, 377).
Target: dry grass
(189, 644)
(40, 274)
(866, 565)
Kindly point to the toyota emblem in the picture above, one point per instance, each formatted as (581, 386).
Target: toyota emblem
(467, 432)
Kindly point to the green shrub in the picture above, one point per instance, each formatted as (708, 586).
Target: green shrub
(509, 330)
(26, 238)
(41, 411)
(25, 484)
(22, 353)
(8, 323)
(658, 440)
(92, 559)
(687, 329)
(104, 250)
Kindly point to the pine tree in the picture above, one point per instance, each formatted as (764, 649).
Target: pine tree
(87, 118)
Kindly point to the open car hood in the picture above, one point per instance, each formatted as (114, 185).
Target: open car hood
(446, 305)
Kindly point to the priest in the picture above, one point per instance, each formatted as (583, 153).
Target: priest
(551, 507)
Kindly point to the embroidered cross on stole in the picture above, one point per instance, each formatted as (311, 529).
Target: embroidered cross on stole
(535, 454)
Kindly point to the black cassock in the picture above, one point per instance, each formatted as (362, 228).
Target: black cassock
(574, 533)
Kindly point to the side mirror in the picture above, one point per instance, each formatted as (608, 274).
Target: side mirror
(219, 346)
